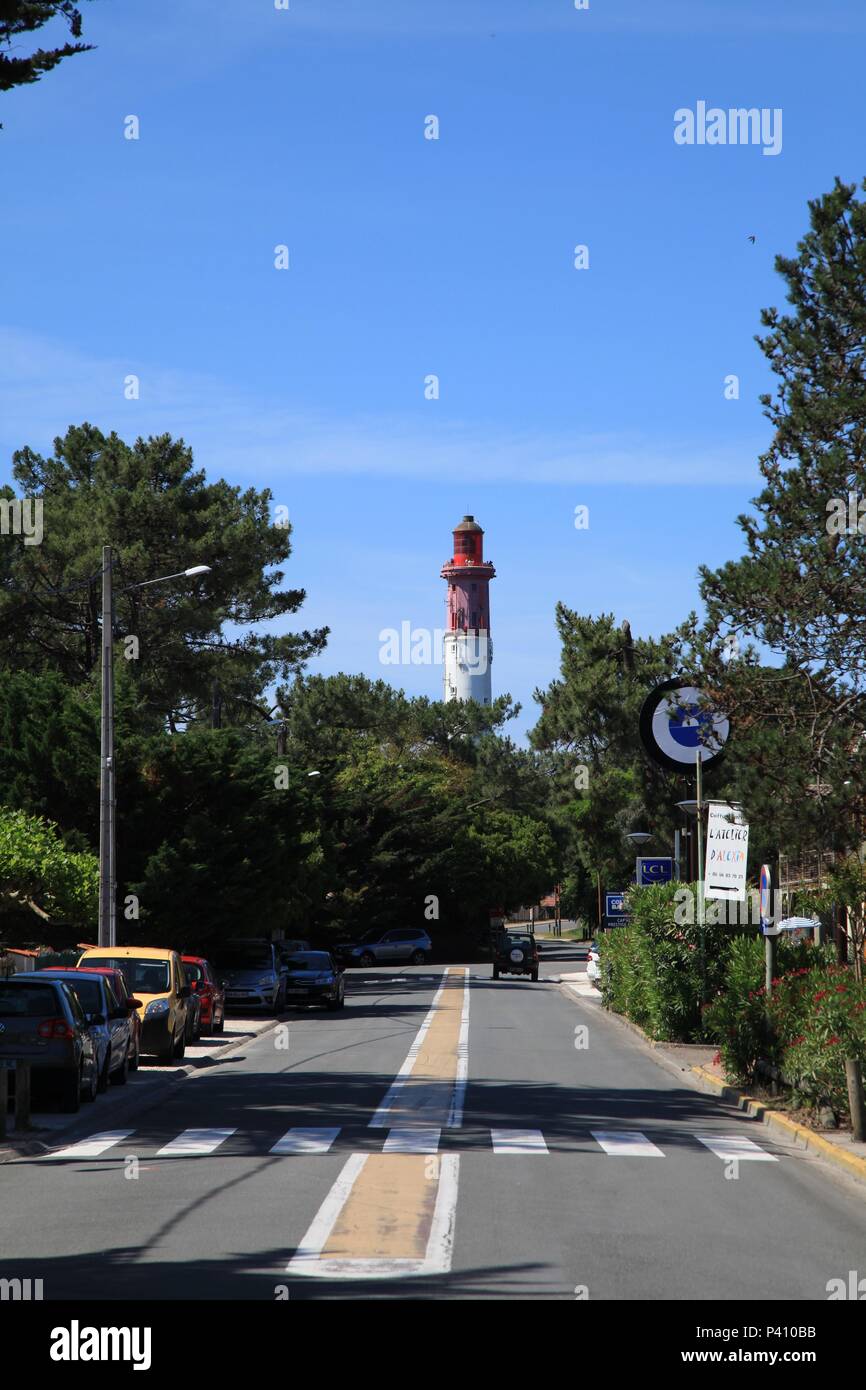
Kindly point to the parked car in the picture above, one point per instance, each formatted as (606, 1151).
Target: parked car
(132, 1005)
(108, 1017)
(207, 989)
(593, 964)
(379, 947)
(315, 978)
(42, 1022)
(252, 975)
(193, 1015)
(515, 953)
(156, 977)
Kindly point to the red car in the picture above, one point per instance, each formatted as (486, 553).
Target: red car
(121, 989)
(204, 983)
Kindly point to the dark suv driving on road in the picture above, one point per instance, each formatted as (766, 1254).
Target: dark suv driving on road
(515, 953)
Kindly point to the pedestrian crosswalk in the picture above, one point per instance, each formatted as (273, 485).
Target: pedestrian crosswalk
(309, 1140)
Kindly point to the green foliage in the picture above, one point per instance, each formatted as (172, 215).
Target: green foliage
(602, 784)
(18, 17)
(747, 1027)
(654, 969)
(37, 870)
(207, 842)
(161, 518)
(798, 588)
(829, 1012)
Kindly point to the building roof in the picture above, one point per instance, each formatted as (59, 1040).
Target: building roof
(469, 524)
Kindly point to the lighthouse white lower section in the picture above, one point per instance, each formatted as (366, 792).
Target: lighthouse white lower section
(467, 658)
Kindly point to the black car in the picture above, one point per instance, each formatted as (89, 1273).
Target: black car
(42, 1023)
(314, 978)
(515, 953)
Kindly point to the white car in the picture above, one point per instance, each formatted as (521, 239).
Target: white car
(593, 968)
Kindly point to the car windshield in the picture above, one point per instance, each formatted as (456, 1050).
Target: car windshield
(89, 992)
(251, 958)
(27, 1001)
(309, 960)
(142, 976)
(193, 972)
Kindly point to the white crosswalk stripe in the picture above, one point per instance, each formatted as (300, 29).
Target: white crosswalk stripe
(94, 1146)
(195, 1142)
(518, 1141)
(617, 1143)
(728, 1146)
(626, 1143)
(412, 1141)
(306, 1141)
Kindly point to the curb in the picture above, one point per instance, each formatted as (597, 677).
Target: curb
(853, 1164)
(35, 1148)
(807, 1138)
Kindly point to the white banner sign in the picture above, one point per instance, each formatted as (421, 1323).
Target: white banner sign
(727, 852)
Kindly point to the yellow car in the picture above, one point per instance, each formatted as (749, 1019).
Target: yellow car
(156, 977)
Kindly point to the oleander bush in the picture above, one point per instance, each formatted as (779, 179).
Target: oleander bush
(653, 969)
(738, 1019)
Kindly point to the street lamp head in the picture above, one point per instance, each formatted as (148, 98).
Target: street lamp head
(689, 807)
(314, 773)
(639, 837)
(197, 569)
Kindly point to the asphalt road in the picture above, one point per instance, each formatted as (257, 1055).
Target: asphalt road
(502, 1154)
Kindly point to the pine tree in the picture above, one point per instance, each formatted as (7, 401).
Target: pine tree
(19, 17)
(799, 589)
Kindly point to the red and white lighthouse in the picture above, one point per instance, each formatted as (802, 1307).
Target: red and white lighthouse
(468, 650)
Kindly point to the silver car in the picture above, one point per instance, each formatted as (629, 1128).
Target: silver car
(378, 947)
(253, 975)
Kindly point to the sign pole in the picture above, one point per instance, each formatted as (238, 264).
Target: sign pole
(700, 820)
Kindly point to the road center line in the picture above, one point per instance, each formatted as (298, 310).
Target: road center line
(391, 1214)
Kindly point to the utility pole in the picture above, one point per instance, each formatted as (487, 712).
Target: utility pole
(107, 796)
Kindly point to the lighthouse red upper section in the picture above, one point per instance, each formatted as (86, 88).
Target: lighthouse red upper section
(467, 602)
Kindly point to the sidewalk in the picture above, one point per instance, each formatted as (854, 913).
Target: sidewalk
(144, 1089)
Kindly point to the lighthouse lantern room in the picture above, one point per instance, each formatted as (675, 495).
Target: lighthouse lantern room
(467, 647)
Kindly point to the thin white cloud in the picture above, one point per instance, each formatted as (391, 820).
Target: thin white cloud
(45, 387)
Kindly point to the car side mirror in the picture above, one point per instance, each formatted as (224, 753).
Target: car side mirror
(133, 1004)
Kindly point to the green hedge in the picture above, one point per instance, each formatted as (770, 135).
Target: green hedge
(653, 969)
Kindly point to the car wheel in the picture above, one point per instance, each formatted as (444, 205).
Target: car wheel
(120, 1074)
(70, 1092)
(367, 959)
(102, 1083)
(219, 1027)
(534, 975)
(496, 972)
(418, 957)
(135, 1059)
(179, 1048)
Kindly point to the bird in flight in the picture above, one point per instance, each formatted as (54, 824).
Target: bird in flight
(752, 240)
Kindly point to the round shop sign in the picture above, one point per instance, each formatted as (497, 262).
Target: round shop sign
(677, 726)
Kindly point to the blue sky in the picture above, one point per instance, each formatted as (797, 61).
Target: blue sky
(602, 387)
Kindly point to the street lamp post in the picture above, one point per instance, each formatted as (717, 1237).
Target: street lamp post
(107, 797)
(107, 794)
